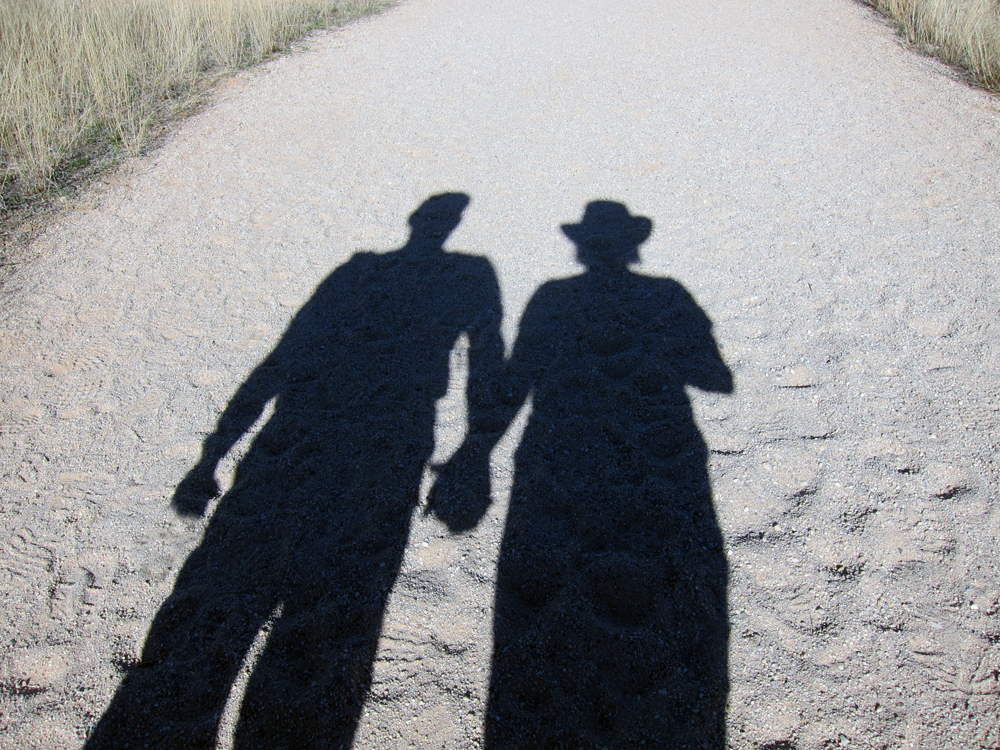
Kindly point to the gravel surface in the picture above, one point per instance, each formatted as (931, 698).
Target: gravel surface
(751, 481)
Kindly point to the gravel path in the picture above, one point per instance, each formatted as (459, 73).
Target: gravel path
(828, 200)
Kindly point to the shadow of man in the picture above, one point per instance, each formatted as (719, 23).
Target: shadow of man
(610, 627)
(311, 536)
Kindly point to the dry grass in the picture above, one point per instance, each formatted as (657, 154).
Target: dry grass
(965, 33)
(80, 78)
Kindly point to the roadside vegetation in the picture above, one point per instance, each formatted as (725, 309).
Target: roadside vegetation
(84, 81)
(965, 33)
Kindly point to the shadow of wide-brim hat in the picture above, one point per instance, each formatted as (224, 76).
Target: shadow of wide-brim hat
(611, 222)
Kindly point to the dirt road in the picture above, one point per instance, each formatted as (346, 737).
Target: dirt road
(827, 201)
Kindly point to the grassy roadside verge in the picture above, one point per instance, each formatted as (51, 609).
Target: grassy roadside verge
(965, 33)
(84, 82)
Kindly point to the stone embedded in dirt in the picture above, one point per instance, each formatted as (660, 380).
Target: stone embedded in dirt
(747, 509)
(71, 412)
(921, 644)
(99, 565)
(838, 651)
(939, 362)
(945, 481)
(726, 442)
(206, 378)
(819, 736)
(898, 548)
(57, 370)
(799, 376)
(836, 552)
(33, 670)
(776, 724)
(813, 427)
(892, 453)
(935, 326)
(792, 471)
(183, 450)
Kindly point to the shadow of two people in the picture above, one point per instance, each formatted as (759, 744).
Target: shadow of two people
(610, 624)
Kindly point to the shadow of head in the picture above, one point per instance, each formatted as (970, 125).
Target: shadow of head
(437, 217)
(608, 236)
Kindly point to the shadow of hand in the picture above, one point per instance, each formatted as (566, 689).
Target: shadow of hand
(461, 491)
(194, 492)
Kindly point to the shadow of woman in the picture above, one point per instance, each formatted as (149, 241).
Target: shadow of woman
(311, 536)
(610, 625)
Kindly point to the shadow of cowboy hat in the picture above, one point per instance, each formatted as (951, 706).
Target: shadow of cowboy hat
(608, 234)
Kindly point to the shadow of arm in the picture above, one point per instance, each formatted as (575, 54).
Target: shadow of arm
(460, 496)
(704, 367)
(193, 493)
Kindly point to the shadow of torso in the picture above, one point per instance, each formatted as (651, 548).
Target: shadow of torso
(610, 626)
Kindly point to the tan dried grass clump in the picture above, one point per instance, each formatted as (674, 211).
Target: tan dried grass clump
(80, 74)
(965, 33)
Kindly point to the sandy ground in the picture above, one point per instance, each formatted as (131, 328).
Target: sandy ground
(829, 200)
